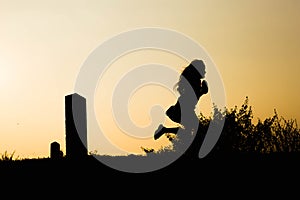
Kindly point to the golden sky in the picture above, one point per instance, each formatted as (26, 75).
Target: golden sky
(43, 44)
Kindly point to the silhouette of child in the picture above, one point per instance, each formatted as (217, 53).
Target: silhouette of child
(191, 88)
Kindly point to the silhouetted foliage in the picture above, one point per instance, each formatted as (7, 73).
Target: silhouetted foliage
(8, 157)
(240, 134)
(147, 150)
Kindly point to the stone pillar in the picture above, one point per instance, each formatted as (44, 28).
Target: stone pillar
(55, 152)
(76, 126)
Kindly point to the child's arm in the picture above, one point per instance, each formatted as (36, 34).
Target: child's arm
(204, 87)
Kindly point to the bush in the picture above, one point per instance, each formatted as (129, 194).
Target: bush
(240, 134)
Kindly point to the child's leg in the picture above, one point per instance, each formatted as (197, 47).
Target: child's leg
(162, 130)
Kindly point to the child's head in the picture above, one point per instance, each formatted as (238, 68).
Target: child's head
(191, 75)
(195, 70)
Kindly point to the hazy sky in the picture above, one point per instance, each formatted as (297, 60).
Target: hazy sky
(255, 45)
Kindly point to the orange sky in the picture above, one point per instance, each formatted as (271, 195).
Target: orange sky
(255, 45)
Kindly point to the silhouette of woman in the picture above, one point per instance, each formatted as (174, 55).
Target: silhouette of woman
(190, 87)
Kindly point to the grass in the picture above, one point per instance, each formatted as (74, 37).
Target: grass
(8, 156)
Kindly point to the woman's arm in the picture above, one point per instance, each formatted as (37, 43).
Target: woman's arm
(203, 87)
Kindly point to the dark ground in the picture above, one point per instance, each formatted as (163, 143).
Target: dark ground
(271, 174)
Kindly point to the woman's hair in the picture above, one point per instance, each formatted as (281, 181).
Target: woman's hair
(190, 76)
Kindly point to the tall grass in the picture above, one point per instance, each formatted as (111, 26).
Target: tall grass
(8, 156)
